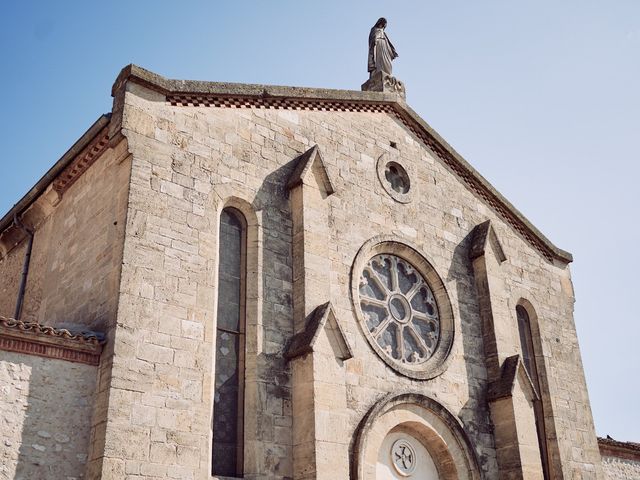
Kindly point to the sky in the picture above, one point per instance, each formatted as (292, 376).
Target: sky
(542, 98)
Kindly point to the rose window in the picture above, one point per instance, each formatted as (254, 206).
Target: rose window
(399, 309)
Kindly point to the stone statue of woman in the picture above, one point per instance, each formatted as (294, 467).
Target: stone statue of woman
(381, 50)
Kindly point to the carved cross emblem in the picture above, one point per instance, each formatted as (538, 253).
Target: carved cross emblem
(404, 457)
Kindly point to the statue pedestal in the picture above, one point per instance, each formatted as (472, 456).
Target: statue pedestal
(382, 82)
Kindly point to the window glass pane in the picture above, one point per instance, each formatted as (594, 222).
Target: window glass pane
(228, 402)
(226, 405)
(525, 333)
(229, 274)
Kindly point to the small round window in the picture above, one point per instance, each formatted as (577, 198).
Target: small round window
(397, 177)
(394, 178)
(402, 307)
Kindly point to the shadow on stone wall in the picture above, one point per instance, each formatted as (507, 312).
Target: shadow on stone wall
(273, 372)
(475, 414)
(47, 405)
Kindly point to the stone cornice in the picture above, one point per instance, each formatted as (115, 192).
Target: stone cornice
(233, 95)
(614, 448)
(82, 161)
(44, 341)
(74, 162)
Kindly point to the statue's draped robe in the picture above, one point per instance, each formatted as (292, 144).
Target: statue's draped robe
(381, 51)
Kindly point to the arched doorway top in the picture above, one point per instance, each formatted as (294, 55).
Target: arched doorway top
(423, 418)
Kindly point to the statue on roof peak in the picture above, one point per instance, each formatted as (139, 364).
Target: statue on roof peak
(381, 54)
(381, 50)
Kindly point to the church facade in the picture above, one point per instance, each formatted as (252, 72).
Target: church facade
(242, 281)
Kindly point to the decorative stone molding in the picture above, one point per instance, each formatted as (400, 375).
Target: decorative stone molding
(318, 105)
(422, 417)
(615, 448)
(82, 162)
(404, 171)
(50, 342)
(44, 197)
(438, 359)
(383, 82)
(229, 95)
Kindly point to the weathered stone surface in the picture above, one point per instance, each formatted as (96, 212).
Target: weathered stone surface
(188, 157)
(75, 263)
(620, 468)
(620, 460)
(45, 416)
(382, 82)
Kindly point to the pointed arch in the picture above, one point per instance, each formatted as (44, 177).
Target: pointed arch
(236, 202)
(532, 359)
(228, 404)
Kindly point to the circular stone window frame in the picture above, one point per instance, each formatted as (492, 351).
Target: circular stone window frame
(381, 167)
(406, 250)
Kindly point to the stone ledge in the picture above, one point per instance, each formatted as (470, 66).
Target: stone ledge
(44, 341)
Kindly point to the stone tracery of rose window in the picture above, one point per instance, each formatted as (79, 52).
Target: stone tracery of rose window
(399, 309)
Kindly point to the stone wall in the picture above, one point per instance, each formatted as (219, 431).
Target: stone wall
(620, 468)
(74, 270)
(10, 273)
(45, 417)
(190, 162)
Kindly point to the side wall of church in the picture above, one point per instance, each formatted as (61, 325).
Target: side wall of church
(45, 406)
(616, 468)
(10, 271)
(188, 163)
(75, 264)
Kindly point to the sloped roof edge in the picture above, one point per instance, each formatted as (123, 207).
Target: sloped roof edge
(55, 170)
(279, 94)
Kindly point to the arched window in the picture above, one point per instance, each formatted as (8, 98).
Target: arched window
(228, 441)
(529, 359)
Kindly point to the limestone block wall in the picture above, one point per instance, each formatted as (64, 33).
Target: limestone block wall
(187, 164)
(74, 270)
(10, 271)
(45, 417)
(616, 468)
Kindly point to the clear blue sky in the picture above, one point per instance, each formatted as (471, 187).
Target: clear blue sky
(542, 97)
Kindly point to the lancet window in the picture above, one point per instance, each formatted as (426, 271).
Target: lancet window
(529, 360)
(227, 455)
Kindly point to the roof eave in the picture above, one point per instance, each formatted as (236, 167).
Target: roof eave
(167, 86)
(54, 171)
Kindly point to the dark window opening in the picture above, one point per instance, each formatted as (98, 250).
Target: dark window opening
(529, 359)
(397, 177)
(228, 402)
